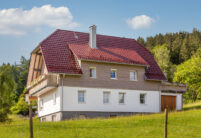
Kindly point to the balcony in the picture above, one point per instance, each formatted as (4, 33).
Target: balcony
(43, 84)
(173, 87)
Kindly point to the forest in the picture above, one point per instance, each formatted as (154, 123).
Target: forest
(177, 54)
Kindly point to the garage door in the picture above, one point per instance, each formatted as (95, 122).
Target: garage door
(168, 102)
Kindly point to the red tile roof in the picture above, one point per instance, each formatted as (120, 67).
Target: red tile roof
(59, 48)
(85, 52)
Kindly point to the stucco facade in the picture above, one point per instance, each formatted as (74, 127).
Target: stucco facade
(94, 106)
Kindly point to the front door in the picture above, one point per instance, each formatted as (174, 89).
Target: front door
(168, 102)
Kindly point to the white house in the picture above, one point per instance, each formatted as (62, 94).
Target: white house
(84, 75)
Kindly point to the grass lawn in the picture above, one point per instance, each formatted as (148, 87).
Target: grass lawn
(181, 124)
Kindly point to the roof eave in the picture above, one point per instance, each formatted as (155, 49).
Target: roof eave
(101, 61)
(65, 73)
(145, 77)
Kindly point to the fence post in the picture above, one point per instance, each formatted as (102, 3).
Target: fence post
(166, 122)
(30, 120)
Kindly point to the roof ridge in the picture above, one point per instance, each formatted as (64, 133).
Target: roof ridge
(49, 36)
(97, 34)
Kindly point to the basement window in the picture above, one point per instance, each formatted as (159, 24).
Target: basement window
(43, 119)
(54, 118)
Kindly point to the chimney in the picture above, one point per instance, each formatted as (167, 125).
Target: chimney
(92, 36)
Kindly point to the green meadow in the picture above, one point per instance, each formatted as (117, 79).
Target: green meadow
(185, 123)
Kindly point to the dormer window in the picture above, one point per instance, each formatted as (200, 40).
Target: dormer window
(92, 72)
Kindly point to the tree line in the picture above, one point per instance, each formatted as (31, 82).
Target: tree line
(12, 84)
(179, 57)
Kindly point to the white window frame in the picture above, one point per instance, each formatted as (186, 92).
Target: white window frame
(124, 100)
(54, 98)
(115, 70)
(135, 75)
(106, 93)
(92, 68)
(81, 91)
(145, 95)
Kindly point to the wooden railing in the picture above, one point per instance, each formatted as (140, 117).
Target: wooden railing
(173, 87)
(43, 81)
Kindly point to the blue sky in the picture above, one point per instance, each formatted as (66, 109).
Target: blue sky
(25, 23)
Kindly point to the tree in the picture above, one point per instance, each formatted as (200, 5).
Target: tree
(19, 73)
(7, 87)
(22, 77)
(141, 41)
(176, 46)
(150, 43)
(184, 53)
(190, 72)
(162, 57)
(159, 39)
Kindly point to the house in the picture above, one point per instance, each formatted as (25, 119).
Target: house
(78, 75)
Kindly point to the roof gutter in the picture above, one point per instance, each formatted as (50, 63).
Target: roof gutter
(152, 79)
(114, 62)
(64, 73)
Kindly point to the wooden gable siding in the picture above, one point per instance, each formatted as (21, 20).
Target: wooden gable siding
(36, 67)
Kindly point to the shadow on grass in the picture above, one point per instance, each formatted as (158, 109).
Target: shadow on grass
(192, 107)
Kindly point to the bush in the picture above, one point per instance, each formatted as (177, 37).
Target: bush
(21, 106)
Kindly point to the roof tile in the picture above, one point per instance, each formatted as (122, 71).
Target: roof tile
(59, 48)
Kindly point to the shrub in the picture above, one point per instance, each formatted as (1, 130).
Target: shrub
(21, 107)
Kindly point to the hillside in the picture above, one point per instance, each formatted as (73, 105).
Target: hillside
(181, 124)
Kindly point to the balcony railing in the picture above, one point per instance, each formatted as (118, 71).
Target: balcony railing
(42, 82)
(173, 87)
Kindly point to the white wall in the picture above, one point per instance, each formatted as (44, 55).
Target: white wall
(48, 105)
(179, 103)
(94, 100)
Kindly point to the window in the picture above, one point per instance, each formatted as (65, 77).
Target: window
(54, 98)
(113, 74)
(82, 116)
(106, 97)
(53, 118)
(142, 98)
(40, 104)
(133, 75)
(43, 119)
(92, 72)
(81, 96)
(112, 116)
(121, 98)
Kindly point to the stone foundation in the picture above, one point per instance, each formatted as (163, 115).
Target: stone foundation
(65, 115)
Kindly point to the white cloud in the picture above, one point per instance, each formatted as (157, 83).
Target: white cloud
(18, 21)
(140, 22)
